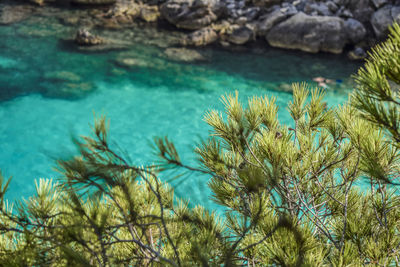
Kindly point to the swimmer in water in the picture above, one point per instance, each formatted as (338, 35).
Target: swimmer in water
(323, 82)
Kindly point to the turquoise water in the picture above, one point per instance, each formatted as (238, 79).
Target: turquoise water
(49, 91)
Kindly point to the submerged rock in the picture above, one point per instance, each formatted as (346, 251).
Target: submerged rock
(130, 62)
(15, 13)
(84, 37)
(69, 90)
(309, 33)
(183, 54)
(63, 76)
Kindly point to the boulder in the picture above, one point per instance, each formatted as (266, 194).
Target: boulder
(355, 30)
(332, 6)
(383, 18)
(379, 3)
(191, 14)
(200, 37)
(320, 8)
(309, 33)
(183, 54)
(15, 13)
(85, 38)
(344, 13)
(241, 35)
(149, 13)
(361, 10)
(269, 20)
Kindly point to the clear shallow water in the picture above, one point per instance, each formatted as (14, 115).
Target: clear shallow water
(40, 109)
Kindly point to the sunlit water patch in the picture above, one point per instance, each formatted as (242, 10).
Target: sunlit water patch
(49, 92)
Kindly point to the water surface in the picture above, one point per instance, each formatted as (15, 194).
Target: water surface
(49, 91)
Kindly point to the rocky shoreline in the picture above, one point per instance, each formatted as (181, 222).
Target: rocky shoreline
(332, 26)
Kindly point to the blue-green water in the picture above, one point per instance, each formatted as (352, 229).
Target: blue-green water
(49, 91)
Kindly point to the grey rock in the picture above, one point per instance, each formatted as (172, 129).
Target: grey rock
(241, 20)
(241, 35)
(341, 2)
(201, 37)
(85, 38)
(361, 10)
(395, 12)
(344, 13)
(357, 54)
(189, 14)
(332, 6)
(379, 3)
(308, 8)
(321, 9)
(289, 10)
(309, 33)
(270, 20)
(251, 13)
(355, 30)
(383, 18)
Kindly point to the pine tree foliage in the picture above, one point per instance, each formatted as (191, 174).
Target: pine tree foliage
(321, 191)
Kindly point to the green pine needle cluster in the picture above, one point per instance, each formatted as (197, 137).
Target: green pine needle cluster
(322, 191)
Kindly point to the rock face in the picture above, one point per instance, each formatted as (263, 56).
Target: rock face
(191, 14)
(201, 37)
(85, 38)
(309, 33)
